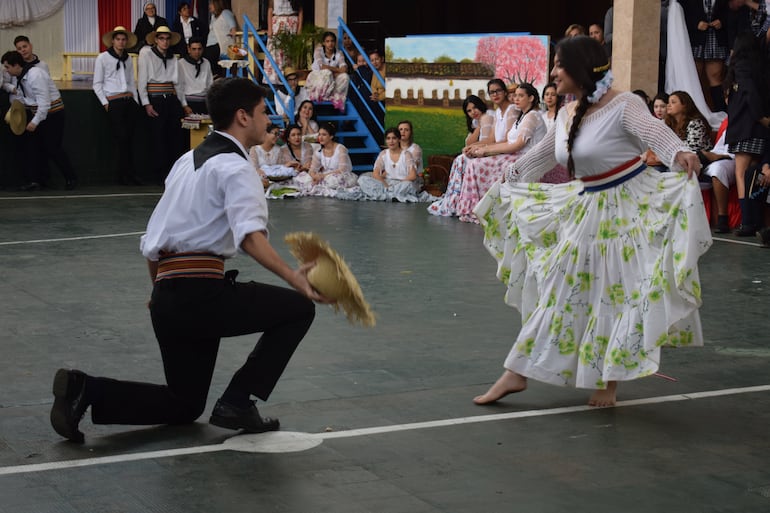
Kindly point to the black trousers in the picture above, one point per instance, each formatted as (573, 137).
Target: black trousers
(123, 115)
(46, 143)
(189, 316)
(167, 133)
(212, 53)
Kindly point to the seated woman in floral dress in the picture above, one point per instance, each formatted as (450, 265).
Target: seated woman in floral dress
(330, 170)
(395, 174)
(488, 162)
(504, 116)
(328, 81)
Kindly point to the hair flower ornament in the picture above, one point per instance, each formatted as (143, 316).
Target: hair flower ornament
(602, 86)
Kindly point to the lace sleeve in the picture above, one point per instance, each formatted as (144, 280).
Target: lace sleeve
(536, 162)
(527, 127)
(315, 163)
(416, 153)
(510, 117)
(255, 157)
(317, 59)
(344, 165)
(379, 164)
(487, 129)
(652, 131)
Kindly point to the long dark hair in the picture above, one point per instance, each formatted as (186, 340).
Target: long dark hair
(585, 61)
(478, 103)
(691, 112)
(531, 91)
(559, 98)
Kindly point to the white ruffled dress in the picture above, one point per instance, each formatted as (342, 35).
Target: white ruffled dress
(602, 279)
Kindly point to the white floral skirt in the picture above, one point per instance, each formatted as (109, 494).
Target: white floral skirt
(602, 279)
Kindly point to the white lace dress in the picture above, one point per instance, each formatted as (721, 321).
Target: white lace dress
(602, 279)
(396, 186)
(339, 175)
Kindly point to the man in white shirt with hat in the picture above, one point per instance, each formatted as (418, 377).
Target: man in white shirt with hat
(158, 80)
(43, 138)
(115, 88)
(195, 77)
(213, 206)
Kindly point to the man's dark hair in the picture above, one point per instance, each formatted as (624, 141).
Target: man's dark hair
(12, 58)
(19, 39)
(196, 39)
(227, 96)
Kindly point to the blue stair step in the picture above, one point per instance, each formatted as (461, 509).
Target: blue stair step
(360, 133)
(364, 151)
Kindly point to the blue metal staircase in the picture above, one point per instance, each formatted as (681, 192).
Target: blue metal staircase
(360, 132)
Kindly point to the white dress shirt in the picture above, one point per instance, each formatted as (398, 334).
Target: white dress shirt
(188, 83)
(36, 90)
(111, 79)
(151, 70)
(224, 197)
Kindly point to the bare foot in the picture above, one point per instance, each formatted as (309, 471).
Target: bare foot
(604, 397)
(508, 383)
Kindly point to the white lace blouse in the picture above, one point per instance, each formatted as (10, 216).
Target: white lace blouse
(398, 170)
(260, 157)
(340, 160)
(530, 127)
(503, 121)
(304, 156)
(416, 153)
(614, 134)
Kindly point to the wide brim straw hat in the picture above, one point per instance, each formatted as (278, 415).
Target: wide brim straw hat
(16, 117)
(175, 37)
(107, 38)
(331, 276)
(289, 71)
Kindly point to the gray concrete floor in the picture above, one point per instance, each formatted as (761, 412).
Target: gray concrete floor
(73, 289)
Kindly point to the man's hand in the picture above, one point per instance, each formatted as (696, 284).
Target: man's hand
(31, 127)
(106, 107)
(187, 110)
(150, 111)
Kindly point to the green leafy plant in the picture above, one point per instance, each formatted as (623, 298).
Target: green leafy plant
(298, 48)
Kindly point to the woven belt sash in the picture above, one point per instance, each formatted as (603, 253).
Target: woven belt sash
(119, 96)
(160, 88)
(614, 176)
(190, 265)
(56, 106)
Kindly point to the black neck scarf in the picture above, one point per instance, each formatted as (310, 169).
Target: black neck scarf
(197, 64)
(213, 145)
(164, 58)
(121, 58)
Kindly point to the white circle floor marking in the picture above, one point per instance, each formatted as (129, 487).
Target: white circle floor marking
(273, 442)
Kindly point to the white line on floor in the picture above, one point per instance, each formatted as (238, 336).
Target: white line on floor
(302, 441)
(84, 237)
(78, 196)
(734, 241)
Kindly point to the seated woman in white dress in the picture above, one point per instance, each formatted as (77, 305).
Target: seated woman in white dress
(267, 153)
(551, 105)
(296, 153)
(306, 121)
(330, 170)
(394, 176)
(328, 81)
(406, 134)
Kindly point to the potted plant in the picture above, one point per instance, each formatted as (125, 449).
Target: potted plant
(298, 48)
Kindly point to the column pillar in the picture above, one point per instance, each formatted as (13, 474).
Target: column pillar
(635, 45)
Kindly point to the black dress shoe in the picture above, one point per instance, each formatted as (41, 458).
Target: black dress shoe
(31, 186)
(247, 419)
(69, 405)
(764, 237)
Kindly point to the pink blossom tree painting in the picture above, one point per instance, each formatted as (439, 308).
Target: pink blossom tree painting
(515, 59)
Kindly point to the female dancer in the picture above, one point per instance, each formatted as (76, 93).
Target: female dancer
(267, 153)
(604, 268)
(328, 80)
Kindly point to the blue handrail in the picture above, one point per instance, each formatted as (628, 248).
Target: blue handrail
(248, 28)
